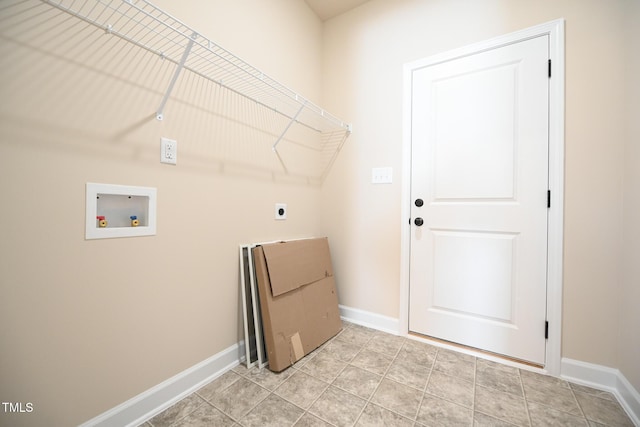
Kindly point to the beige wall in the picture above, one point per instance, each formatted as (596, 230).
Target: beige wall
(364, 54)
(86, 325)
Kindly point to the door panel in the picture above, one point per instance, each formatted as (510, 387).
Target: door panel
(465, 272)
(475, 161)
(480, 163)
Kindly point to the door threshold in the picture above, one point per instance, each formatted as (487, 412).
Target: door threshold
(475, 351)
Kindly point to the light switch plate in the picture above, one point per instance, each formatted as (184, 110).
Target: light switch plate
(382, 175)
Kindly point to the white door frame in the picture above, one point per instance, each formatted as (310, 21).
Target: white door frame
(555, 31)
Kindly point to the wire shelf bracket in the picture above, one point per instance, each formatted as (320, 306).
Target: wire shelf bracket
(284, 132)
(165, 98)
(148, 27)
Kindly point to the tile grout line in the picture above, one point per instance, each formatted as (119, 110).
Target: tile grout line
(524, 396)
(299, 369)
(204, 402)
(306, 411)
(426, 384)
(366, 403)
(565, 411)
(475, 381)
(383, 376)
(253, 407)
(330, 384)
(573, 393)
(348, 363)
(273, 392)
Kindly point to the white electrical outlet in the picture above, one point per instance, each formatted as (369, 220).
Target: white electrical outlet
(281, 211)
(382, 175)
(168, 151)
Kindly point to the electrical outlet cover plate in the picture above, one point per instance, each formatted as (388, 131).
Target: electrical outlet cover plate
(168, 151)
(281, 211)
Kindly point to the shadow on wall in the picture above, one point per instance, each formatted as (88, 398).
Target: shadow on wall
(68, 85)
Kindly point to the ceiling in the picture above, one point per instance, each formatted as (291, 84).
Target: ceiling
(326, 9)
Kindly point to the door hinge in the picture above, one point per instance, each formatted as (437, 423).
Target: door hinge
(549, 68)
(546, 330)
(548, 198)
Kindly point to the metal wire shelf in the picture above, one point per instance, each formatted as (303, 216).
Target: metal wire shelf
(148, 27)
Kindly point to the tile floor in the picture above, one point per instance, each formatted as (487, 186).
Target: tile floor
(364, 377)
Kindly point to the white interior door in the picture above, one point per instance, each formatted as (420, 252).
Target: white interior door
(479, 181)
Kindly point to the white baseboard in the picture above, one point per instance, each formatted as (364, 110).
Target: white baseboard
(376, 321)
(158, 398)
(604, 378)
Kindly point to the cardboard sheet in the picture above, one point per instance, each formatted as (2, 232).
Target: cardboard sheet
(297, 263)
(298, 299)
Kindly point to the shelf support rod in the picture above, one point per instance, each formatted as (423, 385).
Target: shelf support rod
(288, 126)
(183, 60)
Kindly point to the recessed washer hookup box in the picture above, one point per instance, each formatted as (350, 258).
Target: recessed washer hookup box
(298, 298)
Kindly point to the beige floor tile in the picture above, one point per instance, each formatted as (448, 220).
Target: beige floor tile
(241, 369)
(595, 392)
(603, 411)
(529, 377)
(206, 415)
(385, 344)
(376, 416)
(454, 356)
(439, 412)
(542, 416)
(408, 373)
(417, 353)
(356, 335)
(358, 381)
(482, 364)
(413, 345)
(484, 420)
(451, 388)
(552, 394)
(341, 350)
(324, 367)
(504, 406)
(372, 361)
(308, 358)
(309, 420)
(272, 412)
(179, 410)
(239, 398)
(338, 407)
(455, 364)
(397, 397)
(301, 389)
(498, 377)
(266, 378)
(220, 383)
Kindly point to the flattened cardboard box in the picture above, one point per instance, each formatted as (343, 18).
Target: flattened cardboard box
(298, 298)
